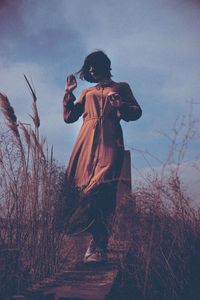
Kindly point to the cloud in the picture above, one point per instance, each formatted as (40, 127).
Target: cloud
(159, 38)
(154, 46)
(154, 42)
(49, 101)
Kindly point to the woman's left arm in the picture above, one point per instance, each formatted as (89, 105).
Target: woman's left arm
(129, 109)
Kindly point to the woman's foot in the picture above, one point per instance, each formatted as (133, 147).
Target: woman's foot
(96, 257)
(94, 254)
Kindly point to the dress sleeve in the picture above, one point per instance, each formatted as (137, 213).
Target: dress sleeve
(130, 109)
(72, 111)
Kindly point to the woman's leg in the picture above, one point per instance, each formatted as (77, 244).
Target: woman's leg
(105, 199)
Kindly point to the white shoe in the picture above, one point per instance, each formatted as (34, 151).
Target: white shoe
(94, 254)
(94, 258)
(91, 249)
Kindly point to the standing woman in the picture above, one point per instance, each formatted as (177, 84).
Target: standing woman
(96, 160)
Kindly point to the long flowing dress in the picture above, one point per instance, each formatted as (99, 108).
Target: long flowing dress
(97, 156)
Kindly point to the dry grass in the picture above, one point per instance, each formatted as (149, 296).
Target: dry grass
(158, 230)
(171, 252)
(29, 187)
(9, 114)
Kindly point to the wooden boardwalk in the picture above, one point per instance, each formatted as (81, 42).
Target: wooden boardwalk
(82, 282)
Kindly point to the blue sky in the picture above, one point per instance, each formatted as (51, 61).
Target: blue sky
(154, 45)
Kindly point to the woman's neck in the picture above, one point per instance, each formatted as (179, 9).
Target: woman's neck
(104, 81)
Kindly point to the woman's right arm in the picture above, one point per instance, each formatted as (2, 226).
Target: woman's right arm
(71, 111)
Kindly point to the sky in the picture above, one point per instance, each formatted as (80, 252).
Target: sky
(154, 45)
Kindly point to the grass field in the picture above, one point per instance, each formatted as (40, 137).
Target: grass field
(155, 233)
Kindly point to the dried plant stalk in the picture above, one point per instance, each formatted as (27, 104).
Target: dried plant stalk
(26, 134)
(29, 189)
(9, 114)
(35, 116)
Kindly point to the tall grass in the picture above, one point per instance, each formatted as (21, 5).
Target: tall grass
(157, 229)
(29, 188)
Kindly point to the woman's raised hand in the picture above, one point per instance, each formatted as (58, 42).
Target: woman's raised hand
(115, 99)
(71, 83)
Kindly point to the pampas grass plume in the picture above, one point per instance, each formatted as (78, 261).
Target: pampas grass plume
(9, 114)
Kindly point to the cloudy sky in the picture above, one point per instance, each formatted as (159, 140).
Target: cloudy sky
(154, 45)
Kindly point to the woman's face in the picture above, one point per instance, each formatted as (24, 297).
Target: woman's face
(95, 73)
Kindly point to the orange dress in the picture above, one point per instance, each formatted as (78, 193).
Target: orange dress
(97, 156)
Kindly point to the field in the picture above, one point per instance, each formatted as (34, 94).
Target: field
(155, 233)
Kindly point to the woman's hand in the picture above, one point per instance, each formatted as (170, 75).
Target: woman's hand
(71, 83)
(115, 99)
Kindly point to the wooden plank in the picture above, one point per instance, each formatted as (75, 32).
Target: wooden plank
(82, 282)
(87, 282)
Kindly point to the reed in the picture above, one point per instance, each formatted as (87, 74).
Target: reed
(29, 188)
(157, 228)
(9, 114)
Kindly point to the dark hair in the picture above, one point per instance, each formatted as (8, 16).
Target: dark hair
(100, 61)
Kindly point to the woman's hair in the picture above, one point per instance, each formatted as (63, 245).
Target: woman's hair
(101, 63)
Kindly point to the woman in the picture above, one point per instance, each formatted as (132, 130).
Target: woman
(97, 157)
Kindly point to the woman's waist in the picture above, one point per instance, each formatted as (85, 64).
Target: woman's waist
(105, 118)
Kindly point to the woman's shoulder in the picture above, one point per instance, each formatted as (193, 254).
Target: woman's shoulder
(88, 89)
(122, 84)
